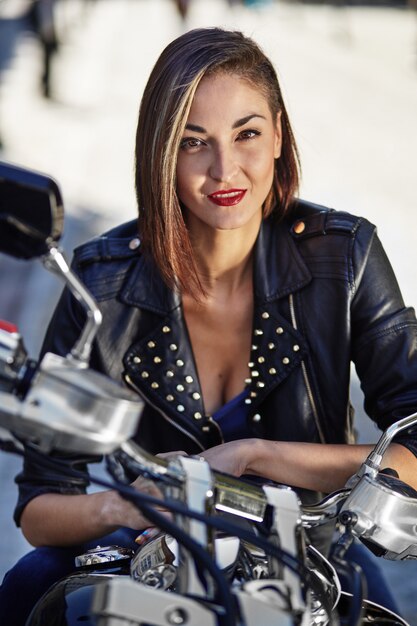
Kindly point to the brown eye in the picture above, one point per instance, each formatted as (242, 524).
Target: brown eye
(248, 133)
(188, 143)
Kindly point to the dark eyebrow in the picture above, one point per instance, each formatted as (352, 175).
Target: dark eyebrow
(241, 122)
(195, 128)
(245, 120)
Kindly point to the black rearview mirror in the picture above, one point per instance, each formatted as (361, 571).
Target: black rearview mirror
(31, 212)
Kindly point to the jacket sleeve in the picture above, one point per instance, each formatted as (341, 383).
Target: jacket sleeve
(66, 474)
(384, 336)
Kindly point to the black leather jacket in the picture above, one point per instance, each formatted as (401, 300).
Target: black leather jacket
(325, 295)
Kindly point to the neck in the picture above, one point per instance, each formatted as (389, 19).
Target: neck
(225, 261)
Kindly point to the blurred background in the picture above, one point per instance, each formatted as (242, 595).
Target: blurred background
(71, 76)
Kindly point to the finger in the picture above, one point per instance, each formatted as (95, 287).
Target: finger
(146, 535)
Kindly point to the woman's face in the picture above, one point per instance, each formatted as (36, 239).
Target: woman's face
(225, 163)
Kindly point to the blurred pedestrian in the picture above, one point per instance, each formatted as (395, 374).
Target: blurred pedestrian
(182, 7)
(42, 19)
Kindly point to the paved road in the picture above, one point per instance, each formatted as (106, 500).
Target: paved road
(350, 80)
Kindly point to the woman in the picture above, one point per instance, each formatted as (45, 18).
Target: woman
(232, 308)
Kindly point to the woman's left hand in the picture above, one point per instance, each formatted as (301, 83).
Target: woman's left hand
(231, 458)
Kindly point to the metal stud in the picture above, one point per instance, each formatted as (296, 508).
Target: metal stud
(170, 397)
(248, 381)
(173, 347)
(272, 371)
(261, 359)
(151, 344)
(258, 331)
(170, 374)
(285, 360)
(196, 395)
(255, 373)
(137, 359)
(197, 416)
(256, 417)
(299, 227)
(206, 429)
(180, 363)
(271, 346)
(279, 330)
(166, 329)
(251, 364)
(134, 243)
(296, 348)
(253, 394)
(157, 359)
(155, 386)
(260, 384)
(248, 401)
(254, 347)
(180, 387)
(189, 379)
(180, 408)
(265, 315)
(145, 374)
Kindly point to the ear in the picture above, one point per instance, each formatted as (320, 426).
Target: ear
(278, 136)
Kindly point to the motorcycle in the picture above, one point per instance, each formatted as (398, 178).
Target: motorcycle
(234, 553)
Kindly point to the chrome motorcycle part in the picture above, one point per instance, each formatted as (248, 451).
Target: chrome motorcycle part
(161, 577)
(162, 551)
(287, 531)
(322, 569)
(383, 511)
(122, 601)
(375, 458)
(326, 510)
(100, 555)
(372, 613)
(197, 493)
(55, 262)
(372, 463)
(70, 407)
(239, 498)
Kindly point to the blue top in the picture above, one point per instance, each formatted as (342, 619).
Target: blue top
(232, 416)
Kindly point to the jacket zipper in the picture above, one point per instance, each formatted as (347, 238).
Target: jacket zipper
(213, 421)
(131, 384)
(305, 376)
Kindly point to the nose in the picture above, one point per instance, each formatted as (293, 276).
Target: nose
(223, 166)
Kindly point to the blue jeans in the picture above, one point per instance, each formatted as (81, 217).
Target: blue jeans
(38, 570)
(378, 589)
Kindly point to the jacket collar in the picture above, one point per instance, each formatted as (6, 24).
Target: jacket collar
(279, 267)
(279, 270)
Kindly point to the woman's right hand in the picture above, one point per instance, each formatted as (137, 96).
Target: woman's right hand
(57, 519)
(121, 512)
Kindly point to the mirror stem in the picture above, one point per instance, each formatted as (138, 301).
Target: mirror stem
(375, 458)
(372, 463)
(55, 262)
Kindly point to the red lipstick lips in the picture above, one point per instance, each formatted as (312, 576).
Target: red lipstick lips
(227, 197)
